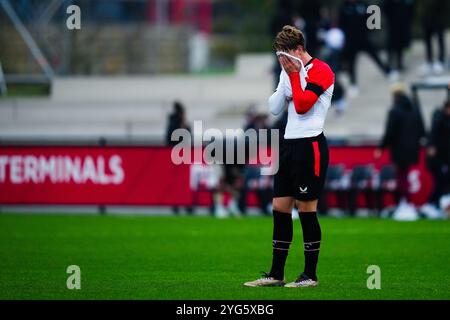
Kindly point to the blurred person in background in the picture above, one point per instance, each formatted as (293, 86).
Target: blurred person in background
(250, 118)
(203, 177)
(434, 17)
(399, 14)
(224, 181)
(176, 120)
(232, 184)
(310, 14)
(353, 21)
(283, 16)
(403, 134)
(261, 185)
(252, 178)
(438, 158)
(334, 41)
(251, 123)
(261, 123)
(227, 183)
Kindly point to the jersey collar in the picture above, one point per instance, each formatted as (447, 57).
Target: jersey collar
(309, 62)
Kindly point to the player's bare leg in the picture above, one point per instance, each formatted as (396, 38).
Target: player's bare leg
(282, 238)
(311, 240)
(283, 204)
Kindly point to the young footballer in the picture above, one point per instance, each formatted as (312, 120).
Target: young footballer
(306, 85)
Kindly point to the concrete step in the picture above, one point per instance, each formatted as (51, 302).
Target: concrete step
(162, 88)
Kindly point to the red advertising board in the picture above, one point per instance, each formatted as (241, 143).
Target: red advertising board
(76, 175)
(92, 175)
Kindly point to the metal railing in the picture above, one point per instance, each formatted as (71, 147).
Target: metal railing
(32, 46)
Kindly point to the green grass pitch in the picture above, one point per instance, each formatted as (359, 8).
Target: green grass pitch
(135, 257)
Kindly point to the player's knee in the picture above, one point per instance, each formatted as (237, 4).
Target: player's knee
(307, 206)
(281, 205)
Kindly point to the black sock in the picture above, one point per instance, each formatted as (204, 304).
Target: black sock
(311, 240)
(282, 238)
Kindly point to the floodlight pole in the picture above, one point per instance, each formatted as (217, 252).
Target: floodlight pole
(28, 39)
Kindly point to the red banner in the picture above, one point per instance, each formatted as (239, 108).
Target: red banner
(92, 175)
(129, 175)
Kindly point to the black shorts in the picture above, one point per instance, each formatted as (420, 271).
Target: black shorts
(302, 168)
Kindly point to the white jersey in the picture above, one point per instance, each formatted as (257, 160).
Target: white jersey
(319, 80)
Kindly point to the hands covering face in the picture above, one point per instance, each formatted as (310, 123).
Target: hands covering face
(289, 65)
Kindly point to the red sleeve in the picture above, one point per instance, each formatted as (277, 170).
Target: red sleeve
(320, 78)
(303, 100)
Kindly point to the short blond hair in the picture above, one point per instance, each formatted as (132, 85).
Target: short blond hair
(289, 38)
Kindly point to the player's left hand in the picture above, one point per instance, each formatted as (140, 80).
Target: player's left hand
(289, 65)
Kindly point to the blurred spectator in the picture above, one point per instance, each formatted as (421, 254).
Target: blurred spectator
(236, 176)
(309, 12)
(261, 123)
(203, 177)
(250, 118)
(231, 181)
(403, 133)
(353, 21)
(399, 14)
(261, 185)
(338, 100)
(434, 18)
(439, 153)
(283, 16)
(334, 40)
(177, 120)
(232, 184)
(221, 180)
(252, 178)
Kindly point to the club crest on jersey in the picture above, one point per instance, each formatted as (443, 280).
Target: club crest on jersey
(308, 67)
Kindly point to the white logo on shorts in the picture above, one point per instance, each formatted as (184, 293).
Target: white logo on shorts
(303, 190)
